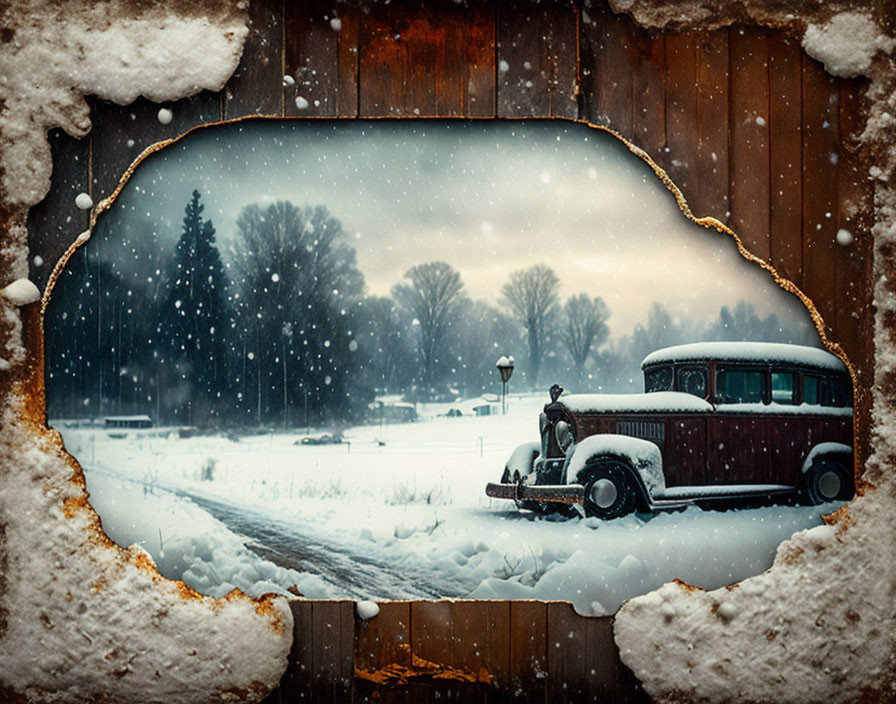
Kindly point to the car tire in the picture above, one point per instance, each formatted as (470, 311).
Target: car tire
(825, 481)
(610, 490)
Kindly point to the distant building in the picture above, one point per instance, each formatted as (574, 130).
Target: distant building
(480, 406)
(391, 412)
(128, 422)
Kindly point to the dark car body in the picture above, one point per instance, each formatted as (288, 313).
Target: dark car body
(717, 421)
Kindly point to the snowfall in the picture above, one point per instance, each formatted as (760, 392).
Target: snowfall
(398, 511)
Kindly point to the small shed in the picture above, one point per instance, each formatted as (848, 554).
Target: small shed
(479, 406)
(142, 421)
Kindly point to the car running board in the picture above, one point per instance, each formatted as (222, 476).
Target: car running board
(680, 496)
(559, 493)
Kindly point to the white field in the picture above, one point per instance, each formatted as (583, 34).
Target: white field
(403, 519)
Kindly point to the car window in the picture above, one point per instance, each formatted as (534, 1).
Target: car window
(658, 379)
(783, 387)
(811, 389)
(740, 386)
(692, 380)
(834, 393)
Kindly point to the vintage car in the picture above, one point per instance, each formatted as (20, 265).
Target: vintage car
(732, 421)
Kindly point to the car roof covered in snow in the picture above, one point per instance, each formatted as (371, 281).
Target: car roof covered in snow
(764, 352)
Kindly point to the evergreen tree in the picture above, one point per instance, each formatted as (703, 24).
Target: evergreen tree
(193, 319)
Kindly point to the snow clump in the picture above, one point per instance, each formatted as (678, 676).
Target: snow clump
(84, 201)
(21, 292)
(367, 610)
(846, 44)
(301, 103)
(844, 237)
(165, 116)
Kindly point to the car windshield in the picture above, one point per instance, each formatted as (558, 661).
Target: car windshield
(692, 380)
(658, 379)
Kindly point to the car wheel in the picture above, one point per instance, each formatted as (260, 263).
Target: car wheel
(827, 481)
(610, 491)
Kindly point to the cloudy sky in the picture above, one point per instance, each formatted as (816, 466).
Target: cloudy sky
(488, 197)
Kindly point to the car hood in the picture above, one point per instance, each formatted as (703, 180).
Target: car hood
(657, 402)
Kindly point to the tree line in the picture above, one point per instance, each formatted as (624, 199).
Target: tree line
(279, 332)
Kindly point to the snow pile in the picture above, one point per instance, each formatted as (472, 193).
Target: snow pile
(115, 49)
(598, 565)
(186, 543)
(819, 625)
(84, 619)
(847, 43)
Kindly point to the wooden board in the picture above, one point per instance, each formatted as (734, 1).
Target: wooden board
(608, 42)
(257, 84)
(321, 54)
(55, 223)
(786, 157)
(708, 194)
(682, 139)
(649, 95)
(537, 52)
(749, 142)
(821, 147)
(435, 59)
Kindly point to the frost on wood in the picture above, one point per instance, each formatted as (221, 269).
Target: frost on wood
(58, 52)
(86, 620)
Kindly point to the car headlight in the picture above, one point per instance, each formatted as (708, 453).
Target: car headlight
(564, 435)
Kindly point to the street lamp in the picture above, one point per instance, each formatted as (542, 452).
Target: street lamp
(505, 366)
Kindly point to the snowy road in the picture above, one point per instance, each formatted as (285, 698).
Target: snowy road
(350, 573)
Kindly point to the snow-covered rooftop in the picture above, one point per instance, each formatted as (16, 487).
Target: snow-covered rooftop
(657, 402)
(746, 352)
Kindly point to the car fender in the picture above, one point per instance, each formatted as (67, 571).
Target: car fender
(643, 456)
(833, 450)
(522, 460)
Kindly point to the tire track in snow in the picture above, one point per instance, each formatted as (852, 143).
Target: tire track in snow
(355, 574)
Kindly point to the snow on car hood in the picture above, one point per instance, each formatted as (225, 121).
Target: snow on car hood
(657, 402)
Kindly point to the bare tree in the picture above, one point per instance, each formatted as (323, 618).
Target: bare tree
(432, 294)
(295, 278)
(584, 327)
(532, 296)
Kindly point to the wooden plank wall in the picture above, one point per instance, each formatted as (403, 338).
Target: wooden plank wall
(427, 651)
(750, 128)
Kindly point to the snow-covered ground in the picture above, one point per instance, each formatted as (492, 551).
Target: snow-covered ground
(399, 512)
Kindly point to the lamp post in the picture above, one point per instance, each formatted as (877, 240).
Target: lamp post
(505, 367)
